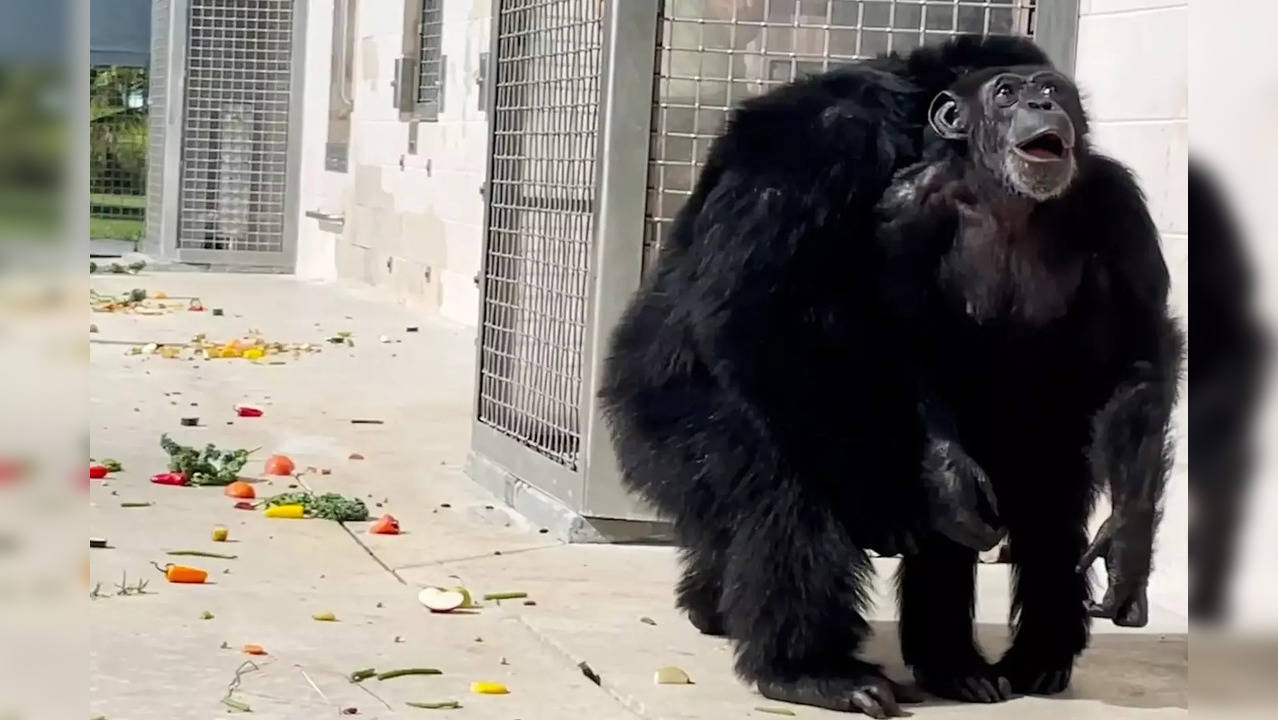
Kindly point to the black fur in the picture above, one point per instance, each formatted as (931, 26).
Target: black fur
(763, 389)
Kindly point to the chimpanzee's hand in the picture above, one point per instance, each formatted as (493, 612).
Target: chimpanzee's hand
(961, 500)
(1126, 544)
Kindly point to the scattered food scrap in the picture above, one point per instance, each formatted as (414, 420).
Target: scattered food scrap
(97, 472)
(280, 465)
(254, 650)
(505, 596)
(392, 674)
(210, 467)
(329, 506)
(190, 422)
(206, 615)
(220, 534)
(248, 411)
(488, 688)
(324, 617)
(97, 542)
(774, 711)
(362, 675)
(244, 505)
(354, 456)
(170, 478)
(671, 675)
(240, 489)
(443, 705)
(647, 620)
(443, 600)
(286, 512)
(135, 504)
(589, 672)
(387, 525)
(184, 575)
(112, 466)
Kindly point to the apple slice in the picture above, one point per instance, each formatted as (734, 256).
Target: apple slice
(441, 600)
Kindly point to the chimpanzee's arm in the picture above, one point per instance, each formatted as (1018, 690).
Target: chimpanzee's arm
(1131, 451)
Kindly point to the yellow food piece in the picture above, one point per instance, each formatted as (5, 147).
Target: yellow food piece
(230, 352)
(324, 617)
(170, 352)
(160, 295)
(292, 512)
(488, 688)
(671, 675)
(254, 354)
(220, 534)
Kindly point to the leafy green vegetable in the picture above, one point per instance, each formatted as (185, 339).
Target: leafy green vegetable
(112, 465)
(329, 506)
(212, 467)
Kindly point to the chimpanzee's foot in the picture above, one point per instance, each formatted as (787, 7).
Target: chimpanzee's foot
(865, 690)
(973, 682)
(709, 622)
(1031, 675)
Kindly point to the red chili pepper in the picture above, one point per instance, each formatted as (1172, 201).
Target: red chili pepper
(171, 478)
(97, 472)
(246, 411)
(244, 505)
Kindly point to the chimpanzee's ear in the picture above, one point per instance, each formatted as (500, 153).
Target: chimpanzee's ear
(946, 116)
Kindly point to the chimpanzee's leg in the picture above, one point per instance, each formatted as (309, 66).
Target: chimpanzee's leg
(936, 587)
(794, 590)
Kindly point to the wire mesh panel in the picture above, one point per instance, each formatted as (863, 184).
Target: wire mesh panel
(544, 123)
(118, 128)
(161, 11)
(429, 58)
(236, 127)
(712, 54)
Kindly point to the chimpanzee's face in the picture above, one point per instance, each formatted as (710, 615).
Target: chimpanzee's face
(1020, 123)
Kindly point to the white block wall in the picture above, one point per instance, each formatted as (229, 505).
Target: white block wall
(1133, 71)
(413, 221)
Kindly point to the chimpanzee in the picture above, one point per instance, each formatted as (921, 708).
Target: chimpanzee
(906, 309)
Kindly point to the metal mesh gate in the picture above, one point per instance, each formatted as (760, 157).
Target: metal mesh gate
(541, 189)
(235, 134)
(159, 107)
(712, 54)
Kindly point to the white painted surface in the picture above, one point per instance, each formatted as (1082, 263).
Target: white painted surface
(1133, 71)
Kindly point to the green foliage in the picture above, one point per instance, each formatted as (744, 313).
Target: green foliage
(329, 506)
(118, 128)
(211, 467)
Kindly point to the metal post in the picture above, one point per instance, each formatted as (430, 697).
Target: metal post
(1056, 31)
(622, 177)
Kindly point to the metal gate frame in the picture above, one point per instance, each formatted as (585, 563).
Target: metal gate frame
(172, 20)
(588, 503)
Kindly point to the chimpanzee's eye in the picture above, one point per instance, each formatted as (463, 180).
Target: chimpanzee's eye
(1049, 88)
(1004, 91)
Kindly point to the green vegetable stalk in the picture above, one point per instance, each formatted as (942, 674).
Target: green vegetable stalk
(212, 467)
(329, 506)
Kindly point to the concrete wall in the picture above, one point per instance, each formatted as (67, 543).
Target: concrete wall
(413, 221)
(1133, 71)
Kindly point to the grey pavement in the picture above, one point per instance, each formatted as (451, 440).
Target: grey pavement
(152, 656)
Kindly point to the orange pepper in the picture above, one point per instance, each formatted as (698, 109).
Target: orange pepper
(279, 465)
(183, 574)
(240, 489)
(254, 650)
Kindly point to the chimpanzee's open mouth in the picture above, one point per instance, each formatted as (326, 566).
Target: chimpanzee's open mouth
(1046, 146)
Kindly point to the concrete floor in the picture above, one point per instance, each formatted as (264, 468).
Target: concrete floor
(152, 656)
